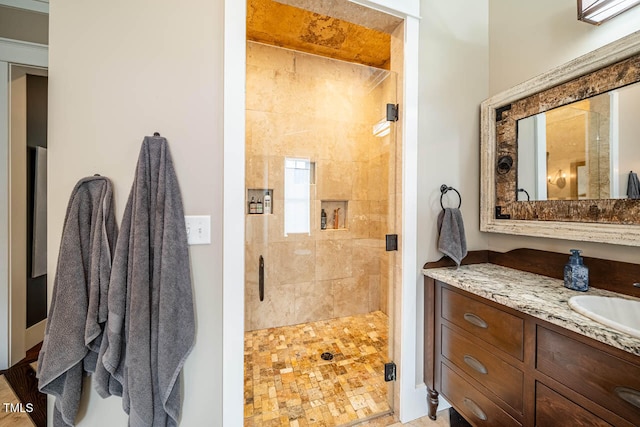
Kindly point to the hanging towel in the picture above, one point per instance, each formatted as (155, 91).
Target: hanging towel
(452, 241)
(633, 186)
(79, 305)
(151, 325)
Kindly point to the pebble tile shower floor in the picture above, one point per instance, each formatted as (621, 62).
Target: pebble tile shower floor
(287, 383)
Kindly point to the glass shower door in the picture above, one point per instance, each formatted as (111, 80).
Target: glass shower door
(321, 149)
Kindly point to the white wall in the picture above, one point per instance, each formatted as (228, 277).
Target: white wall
(454, 75)
(527, 150)
(629, 134)
(120, 71)
(527, 39)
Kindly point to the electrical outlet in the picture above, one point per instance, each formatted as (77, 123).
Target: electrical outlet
(198, 229)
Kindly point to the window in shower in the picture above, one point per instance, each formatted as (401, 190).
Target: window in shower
(297, 198)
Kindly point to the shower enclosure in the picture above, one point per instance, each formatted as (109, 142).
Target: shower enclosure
(321, 168)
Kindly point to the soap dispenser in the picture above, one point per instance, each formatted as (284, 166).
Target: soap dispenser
(576, 274)
(267, 203)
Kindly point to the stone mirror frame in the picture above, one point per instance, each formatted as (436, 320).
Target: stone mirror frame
(614, 221)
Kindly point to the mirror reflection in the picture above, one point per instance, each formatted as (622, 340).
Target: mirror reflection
(583, 150)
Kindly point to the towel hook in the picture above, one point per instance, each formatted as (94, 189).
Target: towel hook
(156, 134)
(443, 190)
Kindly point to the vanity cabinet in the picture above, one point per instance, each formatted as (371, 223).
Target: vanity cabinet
(554, 409)
(501, 367)
(595, 374)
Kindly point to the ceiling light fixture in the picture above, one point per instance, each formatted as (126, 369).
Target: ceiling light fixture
(598, 11)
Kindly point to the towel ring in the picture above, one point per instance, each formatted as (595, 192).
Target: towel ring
(443, 191)
(522, 190)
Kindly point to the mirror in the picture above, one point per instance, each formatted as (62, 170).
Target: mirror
(571, 133)
(583, 150)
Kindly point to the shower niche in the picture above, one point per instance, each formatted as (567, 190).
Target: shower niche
(337, 214)
(259, 201)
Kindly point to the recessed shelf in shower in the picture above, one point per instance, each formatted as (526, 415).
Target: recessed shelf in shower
(259, 201)
(337, 214)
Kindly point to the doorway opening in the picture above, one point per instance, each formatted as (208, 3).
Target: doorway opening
(323, 151)
(28, 207)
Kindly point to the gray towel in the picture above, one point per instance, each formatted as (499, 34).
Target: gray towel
(452, 241)
(151, 325)
(633, 187)
(79, 305)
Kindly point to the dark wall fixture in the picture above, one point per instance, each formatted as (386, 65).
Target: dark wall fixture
(504, 164)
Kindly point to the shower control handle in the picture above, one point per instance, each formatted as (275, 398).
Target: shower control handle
(261, 278)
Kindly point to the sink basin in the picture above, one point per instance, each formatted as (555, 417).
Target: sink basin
(618, 313)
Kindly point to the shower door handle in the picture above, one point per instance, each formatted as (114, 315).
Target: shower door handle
(261, 278)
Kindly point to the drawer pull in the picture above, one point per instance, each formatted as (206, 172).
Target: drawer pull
(473, 407)
(475, 320)
(629, 395)
(475, 364)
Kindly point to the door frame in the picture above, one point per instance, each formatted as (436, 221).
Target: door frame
(411, 390)
(12, 322)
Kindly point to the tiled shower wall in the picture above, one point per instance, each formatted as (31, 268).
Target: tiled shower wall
(300, 105)
(569, 130)
(599, 148)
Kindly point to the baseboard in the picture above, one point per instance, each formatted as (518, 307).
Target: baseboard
(34, 334)
(414, 404)
(443, 404)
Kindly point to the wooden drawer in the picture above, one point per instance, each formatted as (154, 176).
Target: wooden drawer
(478, 409)
(497, 327)
(553, 409)
(611, 382)
(489, 370)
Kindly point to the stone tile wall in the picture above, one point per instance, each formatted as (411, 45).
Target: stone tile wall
(614, 211)
(300, 105)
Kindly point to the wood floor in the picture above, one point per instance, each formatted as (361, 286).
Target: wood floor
(22, 379)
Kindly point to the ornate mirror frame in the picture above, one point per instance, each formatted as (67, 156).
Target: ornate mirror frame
(615, 221)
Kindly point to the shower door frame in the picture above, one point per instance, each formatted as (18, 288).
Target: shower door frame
(410, 392)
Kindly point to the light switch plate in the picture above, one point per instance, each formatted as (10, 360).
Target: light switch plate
(198, 229)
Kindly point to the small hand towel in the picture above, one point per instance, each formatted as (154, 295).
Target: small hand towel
(79, 305)
(451, 240)
(633, 187)
(151, 324)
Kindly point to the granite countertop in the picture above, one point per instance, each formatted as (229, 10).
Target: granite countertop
(539, 296)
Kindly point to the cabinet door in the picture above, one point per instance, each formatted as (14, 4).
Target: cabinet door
(601, 377)
(553, 409)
